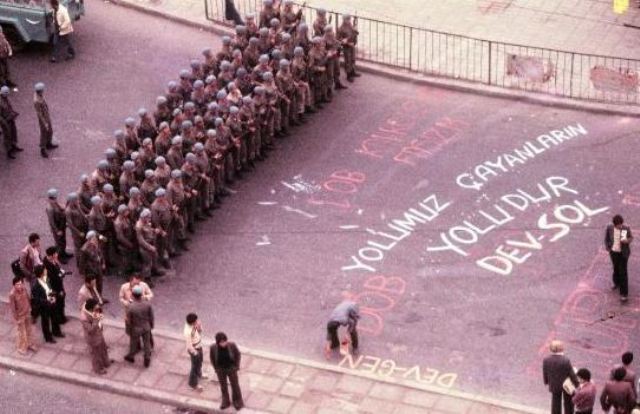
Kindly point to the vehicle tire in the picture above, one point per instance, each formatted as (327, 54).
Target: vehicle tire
(14, 37)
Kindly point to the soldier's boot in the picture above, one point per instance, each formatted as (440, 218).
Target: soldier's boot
(310, 109)
(164, 262)
(182, 243)
(339, 86)
(157, 272)
(43, 153)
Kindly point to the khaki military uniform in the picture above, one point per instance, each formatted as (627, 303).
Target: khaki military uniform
(146, 238)
(44, 120)
(92, 263)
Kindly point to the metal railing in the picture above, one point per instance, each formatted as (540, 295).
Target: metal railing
(554, 72)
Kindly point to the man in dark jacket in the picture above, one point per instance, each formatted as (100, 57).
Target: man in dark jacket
(43, 301)
(56, 275)
(225, 358)
(617, 240)
(140, 319)
(556, 368)
(617, 394)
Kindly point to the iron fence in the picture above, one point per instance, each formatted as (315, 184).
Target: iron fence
(554, 72)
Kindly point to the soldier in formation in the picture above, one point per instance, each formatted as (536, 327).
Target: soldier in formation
(173, 166)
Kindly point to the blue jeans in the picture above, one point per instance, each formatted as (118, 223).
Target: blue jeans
(196, 368)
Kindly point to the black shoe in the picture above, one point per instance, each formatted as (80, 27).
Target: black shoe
(340, 86)
(355, 74)
(50, 340)
(43, 152)
(64, 320)
(310, 109)
(225, 406)
(238, 406)
(350, 78)
(17, 148)
(147, 362)
(129, 359)
(59, 335)
(68, 255)
(157, 272)
(53, 60)
(52, 146)
(10, 155)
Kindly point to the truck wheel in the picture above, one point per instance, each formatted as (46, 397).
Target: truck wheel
(14, 38)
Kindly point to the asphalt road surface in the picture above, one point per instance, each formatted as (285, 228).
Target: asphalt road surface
(22, 394)
(468, 228)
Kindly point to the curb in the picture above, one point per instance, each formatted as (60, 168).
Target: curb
(497, 92)
(198, 404)
(108, 385)
(423, 79)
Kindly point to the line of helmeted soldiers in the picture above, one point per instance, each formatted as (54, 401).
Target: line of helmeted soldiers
(171, 167)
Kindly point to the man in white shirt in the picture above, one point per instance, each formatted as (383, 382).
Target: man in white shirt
(193, 337)
(617, 240)
(62, 32)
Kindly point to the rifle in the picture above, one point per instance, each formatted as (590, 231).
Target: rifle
(299, 18)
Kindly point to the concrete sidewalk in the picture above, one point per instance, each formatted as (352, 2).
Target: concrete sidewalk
(585, 26)
(270, 383)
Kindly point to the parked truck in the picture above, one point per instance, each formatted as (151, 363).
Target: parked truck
(25, 21)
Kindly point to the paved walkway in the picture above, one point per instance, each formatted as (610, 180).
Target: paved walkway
(586, 26)
(270, 383)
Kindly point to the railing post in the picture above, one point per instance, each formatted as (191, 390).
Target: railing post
(573, 55)
(410, 46)
(489, 71)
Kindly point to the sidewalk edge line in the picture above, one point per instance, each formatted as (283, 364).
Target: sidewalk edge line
(108, 385)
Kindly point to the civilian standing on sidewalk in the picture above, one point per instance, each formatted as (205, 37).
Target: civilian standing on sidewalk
(556, 368)
(92, 327)
(30, 257)
(584, 397)
(617, 240)
(56, 275)
(630, 376)
(140, 318)
(225, 358)
(44, 301)
(193, 336)
(617, 394)
(20, 305)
